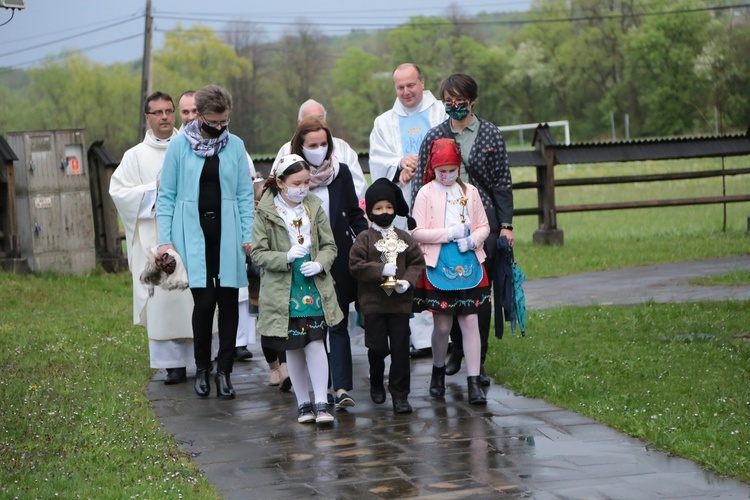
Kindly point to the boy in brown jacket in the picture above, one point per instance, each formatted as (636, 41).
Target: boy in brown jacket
(382, 253)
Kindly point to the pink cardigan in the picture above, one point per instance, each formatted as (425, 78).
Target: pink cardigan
(429, 213)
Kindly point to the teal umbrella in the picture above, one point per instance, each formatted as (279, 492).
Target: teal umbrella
(518, 309)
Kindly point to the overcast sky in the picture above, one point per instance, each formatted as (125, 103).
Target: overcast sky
(109, 31)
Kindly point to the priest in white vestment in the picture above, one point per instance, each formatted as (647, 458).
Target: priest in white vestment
(133, 188)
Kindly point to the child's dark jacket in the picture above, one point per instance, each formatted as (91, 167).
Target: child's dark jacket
(366, 267)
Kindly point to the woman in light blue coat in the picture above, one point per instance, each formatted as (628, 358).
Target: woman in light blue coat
(205, 213)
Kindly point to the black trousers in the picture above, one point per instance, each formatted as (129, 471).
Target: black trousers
(484, 317)
(206, 300)
(389, 334)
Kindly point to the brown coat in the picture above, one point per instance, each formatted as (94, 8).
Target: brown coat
(366, 267)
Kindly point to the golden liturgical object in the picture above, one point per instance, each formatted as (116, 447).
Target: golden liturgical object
(463, 202)
(390, 246)
(297, 222)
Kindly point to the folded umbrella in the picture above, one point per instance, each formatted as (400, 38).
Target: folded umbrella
(502, 285)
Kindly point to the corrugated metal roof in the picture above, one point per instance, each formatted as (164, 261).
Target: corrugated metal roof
(6, 152)
(646, 149)
(98, 149)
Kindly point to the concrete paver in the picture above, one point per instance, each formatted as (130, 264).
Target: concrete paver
(515, 447)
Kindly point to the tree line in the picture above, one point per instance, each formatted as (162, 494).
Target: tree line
(671, 68)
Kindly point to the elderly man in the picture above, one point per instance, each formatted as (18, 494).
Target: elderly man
(133, 187)
(341, 150)
(397, 134)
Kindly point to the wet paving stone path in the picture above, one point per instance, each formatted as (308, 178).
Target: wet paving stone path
(252, 447)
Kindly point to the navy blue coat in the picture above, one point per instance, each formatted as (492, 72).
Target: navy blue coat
(345, 217)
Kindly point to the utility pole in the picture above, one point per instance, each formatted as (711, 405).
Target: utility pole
(146, 74)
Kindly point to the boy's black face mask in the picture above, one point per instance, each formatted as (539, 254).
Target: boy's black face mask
(382, 220)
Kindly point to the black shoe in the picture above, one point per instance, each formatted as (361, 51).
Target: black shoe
(175, 376)
(330, 400)
(242, 354)
(224, 387)
(377, 394)
(476, 394)
(202, 389)
(484, 379)
(401, 406)
(437, 382)
(420, 353)
(453, 365)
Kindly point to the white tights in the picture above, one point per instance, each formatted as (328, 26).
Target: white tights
(311, 360)
(469, 332)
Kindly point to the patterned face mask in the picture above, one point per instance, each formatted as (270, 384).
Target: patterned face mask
(457, 112)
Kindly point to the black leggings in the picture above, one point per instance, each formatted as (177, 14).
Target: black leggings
(206, 300)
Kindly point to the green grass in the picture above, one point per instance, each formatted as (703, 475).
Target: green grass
(734, 278)
(76, 420)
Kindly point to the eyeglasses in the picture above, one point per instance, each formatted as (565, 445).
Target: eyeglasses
(216, 124)
(453, 102)
(161, 112)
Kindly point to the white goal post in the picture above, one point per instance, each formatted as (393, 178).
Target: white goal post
(530, 126)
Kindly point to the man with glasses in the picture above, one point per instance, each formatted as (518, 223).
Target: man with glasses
(133, 189)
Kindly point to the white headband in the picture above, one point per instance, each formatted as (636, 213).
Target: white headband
(284, 163)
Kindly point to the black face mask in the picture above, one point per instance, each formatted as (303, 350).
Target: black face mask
(382, 220)
(211, 131)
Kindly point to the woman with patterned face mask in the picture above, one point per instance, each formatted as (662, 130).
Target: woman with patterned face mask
(484, 164)
(331, 181)
(294, 247)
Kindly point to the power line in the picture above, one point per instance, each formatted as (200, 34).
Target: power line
(60, 56)
(462, 22)
(68, 29)
(53, 42)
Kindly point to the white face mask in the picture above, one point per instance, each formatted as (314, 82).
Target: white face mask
(296, 195)
(315, 156)
(446, 178)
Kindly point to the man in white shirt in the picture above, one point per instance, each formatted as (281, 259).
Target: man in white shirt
(341, 150)
(394, 145)
(133, 187)
(397, 134)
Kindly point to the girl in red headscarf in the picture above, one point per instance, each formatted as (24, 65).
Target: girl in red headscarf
(451, 228)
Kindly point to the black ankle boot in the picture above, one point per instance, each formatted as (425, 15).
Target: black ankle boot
(453, 365)
(202, 389)
(437, 382)
(484, 380)
(224, 387)
(476, 395)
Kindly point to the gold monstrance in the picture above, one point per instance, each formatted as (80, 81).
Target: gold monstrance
(297, 222)
(391, 246)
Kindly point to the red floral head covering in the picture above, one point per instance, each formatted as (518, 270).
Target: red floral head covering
(442, 152)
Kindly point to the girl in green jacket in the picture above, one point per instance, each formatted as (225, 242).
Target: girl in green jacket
(294, 247)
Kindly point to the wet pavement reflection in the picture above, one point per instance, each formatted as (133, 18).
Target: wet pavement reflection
(252, 447)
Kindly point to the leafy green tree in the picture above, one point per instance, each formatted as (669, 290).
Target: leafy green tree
(660, 56)
(367, 91)
(78, 93)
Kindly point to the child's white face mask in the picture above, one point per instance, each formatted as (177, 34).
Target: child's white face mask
(446, 178)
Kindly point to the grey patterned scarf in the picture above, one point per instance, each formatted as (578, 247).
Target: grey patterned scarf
(202, 146)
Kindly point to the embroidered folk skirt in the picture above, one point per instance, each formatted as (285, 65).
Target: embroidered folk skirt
(452, 302)
(306, 319)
